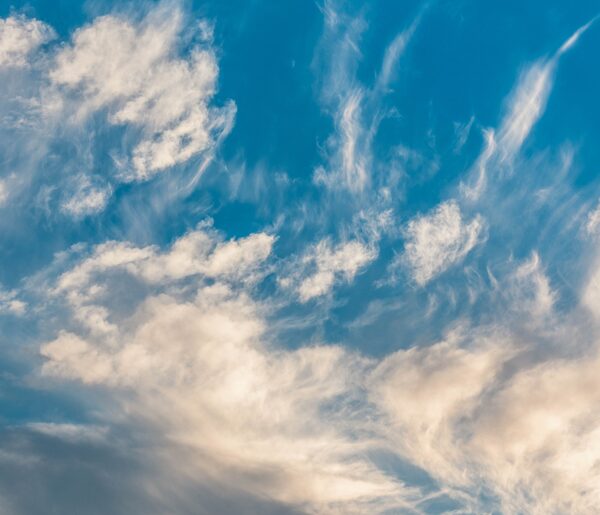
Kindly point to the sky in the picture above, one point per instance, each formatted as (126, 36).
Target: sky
(302, 257)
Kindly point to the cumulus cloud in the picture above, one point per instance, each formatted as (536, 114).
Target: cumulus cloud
(439, 240)
(324, 265)
(19, 37)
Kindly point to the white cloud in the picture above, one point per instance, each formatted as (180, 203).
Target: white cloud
(4, 192)
(425, 392)
(19, 37)
(591, 293)
(353, 161)
(130, 95)
(593, 222)
(356, 108)
(270, 421)
(323, 265)
(350, 164)
(439, 240)
(530, 289)
(530, 436)
(198, 253)
(87, 199)
(196, 360)
(394, 52)
(11, 304)
(133, 70)
(538, 438)
(525, 107)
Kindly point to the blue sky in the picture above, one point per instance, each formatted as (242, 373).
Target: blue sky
(299, 257)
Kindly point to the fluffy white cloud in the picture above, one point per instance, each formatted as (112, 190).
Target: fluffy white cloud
(273, 422)
(323, 265)
(427, 392)
(194, 358)
(86, 199)
(127, 97)
(198, 253)
(439, 240)
(529, 435)
(19, 37)
(133, 70)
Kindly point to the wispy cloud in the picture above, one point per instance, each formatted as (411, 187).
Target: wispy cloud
(439, 240)
(525, 107)
(324, 265)
(19, 37)
(229, 402)
(192, 395)
(356, 108)
(131, 70)
(124, 100)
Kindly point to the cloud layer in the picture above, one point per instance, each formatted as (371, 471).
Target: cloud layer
(407, 321)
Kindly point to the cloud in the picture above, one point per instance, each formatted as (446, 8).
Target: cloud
(195, 360)
(126, 98)
(593, 222)
(537, 438)
(484, 418)
(427, 392)
(20, 37)
(196, 402)
(199, 253)
(87, 199)
(473, 411)
(357, 109)
(133, 71)
(70, 432)
(4, 192)
(462, 132)
(525, 107)
(394, 52)
(323, 265)
(439, 240)
(528, 436)
(530, 289)
(11, 304)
